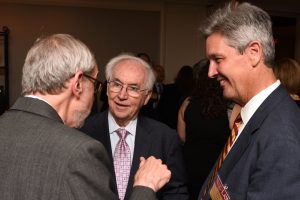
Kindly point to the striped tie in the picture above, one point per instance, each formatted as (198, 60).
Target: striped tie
(234, 133)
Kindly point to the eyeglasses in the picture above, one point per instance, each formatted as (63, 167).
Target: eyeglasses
(132, 90)
(97, 84)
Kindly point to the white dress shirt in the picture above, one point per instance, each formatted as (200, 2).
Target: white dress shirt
(249, 109)
(114, 138)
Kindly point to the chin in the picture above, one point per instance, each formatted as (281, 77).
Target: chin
(80, 117)
(227, 95)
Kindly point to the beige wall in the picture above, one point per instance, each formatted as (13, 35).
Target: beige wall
(107, 32)
(184, 44)
(167, 30)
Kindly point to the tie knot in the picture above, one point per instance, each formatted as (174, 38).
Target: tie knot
(122, 133)
(238, 119)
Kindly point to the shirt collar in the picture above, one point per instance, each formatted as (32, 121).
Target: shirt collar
(249, 109)
(36, 97)
(113, 126)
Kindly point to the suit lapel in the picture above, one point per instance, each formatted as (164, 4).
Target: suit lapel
(250, 129)
(141, 148)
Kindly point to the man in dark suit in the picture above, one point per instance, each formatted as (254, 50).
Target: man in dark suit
(264, 161)
(42, 155)
(130, 81)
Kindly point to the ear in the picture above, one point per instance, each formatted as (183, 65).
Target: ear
(77, 84)
(148, 96)
(255, 52)
(106, 88)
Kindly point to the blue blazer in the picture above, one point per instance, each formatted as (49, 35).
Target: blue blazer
(152, 139)
(264, 163)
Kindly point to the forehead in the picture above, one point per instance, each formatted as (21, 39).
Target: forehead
(216, 44)
(129, 71)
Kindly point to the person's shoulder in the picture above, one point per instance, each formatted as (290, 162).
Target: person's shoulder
(63, 141)
(73, 137)
(155, 126)
(97, 117)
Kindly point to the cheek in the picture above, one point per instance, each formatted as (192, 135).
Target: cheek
(111, 96)
(136, 104)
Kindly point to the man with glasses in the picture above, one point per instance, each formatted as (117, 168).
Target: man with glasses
(130, 81)
(97, 83)
(42, 155)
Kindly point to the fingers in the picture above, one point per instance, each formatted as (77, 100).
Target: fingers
(152, 173)
(142, 161)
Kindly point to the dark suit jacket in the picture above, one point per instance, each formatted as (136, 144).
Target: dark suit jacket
(152, 139)
(41, 158)
(264, 163)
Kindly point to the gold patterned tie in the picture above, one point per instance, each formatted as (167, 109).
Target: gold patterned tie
(234, 133)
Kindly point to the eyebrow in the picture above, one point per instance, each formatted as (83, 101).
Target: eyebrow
(214, 56)
(131, 84)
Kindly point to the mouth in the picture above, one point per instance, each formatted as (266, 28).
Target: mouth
(121, 105)
(222, 81)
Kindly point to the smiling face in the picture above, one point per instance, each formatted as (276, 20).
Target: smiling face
(123, 107)
(232, 69)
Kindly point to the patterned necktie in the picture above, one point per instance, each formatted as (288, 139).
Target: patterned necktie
(122, 163)
(234, 133)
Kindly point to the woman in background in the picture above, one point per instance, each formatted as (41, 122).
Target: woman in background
(287, 70)
(202, 126)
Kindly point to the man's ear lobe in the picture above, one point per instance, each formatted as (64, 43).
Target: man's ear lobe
(77, 84)
(148, 97)
(255, 52)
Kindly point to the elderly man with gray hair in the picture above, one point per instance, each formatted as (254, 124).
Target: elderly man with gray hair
(130, 82)
(42, 155)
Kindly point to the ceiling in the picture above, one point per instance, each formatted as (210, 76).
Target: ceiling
(285, 7)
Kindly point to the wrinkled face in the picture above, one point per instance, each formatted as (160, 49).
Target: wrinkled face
(122, 106)
(229, 67)
(83, 110)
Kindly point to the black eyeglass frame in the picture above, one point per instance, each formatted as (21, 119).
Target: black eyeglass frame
(97, 83)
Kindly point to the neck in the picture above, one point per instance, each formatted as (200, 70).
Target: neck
(58, 102)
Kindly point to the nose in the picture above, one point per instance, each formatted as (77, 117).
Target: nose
(123, 93)
(212, 70)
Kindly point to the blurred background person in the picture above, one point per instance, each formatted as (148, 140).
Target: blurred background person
(151, 108)
(287, 70)
(146, 57)
(173, 96)
(202, 126)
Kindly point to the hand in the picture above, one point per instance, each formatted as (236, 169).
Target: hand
(152, 173)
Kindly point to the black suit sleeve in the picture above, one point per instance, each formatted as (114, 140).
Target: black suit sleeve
(176, 189)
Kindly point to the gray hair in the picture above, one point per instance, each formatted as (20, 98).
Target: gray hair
(52, 61)
(149, 82)
(242, 24)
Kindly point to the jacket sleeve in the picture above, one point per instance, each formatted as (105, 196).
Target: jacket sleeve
(144, 193)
